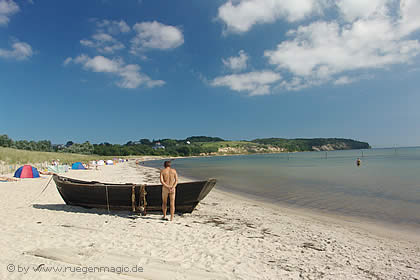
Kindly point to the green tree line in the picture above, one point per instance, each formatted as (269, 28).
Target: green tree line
(195, 145)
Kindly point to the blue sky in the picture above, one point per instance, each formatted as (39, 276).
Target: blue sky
(115, 71)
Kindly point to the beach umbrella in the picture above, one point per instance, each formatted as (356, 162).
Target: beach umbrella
(78, 165)
(109, 162)
(26, 171)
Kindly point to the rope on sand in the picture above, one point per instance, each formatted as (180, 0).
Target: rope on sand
(43, 190)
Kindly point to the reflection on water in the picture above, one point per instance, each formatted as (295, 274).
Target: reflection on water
(385, 187)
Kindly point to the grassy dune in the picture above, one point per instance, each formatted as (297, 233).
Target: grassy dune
(14, 156)
(11, 159)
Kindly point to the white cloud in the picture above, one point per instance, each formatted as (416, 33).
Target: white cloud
(255, 83)
(410, 19)
(67, 61)
(237, 63)
(322, 49)
(240, 16)
(346, 39)
(101, 64)
(104, 40)
(113, 26)
(353, 9)
(103, 43)
(7, 9)
(129, 74)
(344, 80)
(19, 51)
(155, 35)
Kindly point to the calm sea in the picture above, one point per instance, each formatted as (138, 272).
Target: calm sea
(385, 187)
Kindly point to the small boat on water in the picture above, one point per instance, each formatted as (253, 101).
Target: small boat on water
(132, 197)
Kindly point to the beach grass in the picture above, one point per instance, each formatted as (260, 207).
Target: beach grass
(15, 156)
(11, 158)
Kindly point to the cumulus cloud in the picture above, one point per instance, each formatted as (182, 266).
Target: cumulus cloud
(409, 16)
(67, 61)
(7, 9)
(240, 16)
(343, 80)
(346, 38)
(129, 74)
(113, 26)
(254, 83)
(19, 51)
(237, 63)
(104, 40)
(103, 43)
(353, 9)
(155, 35)
(322, 49)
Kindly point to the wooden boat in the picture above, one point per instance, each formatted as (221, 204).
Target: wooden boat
(131, 197)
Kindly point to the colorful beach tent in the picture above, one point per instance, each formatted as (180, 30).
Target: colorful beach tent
(109, 162)
(77, 165)
(26, 171)
(101, 162)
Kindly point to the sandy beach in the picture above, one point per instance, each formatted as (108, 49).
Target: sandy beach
(226, 237)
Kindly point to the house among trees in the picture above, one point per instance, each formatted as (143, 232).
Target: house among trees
(158, 145)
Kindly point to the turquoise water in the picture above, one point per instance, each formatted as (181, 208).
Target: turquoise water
(385, 187)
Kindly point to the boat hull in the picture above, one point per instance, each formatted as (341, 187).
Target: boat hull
(130, 196)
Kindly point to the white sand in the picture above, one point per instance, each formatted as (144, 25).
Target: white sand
(226, 237)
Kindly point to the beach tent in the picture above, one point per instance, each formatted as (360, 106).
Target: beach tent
(77, 165)
(101, 162)
(26, 171)
(109, 162)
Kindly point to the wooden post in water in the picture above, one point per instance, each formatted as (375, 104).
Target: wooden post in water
(326, 155)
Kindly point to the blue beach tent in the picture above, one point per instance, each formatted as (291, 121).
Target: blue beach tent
(77, 165)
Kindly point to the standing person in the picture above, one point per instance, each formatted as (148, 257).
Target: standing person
(169, 180)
